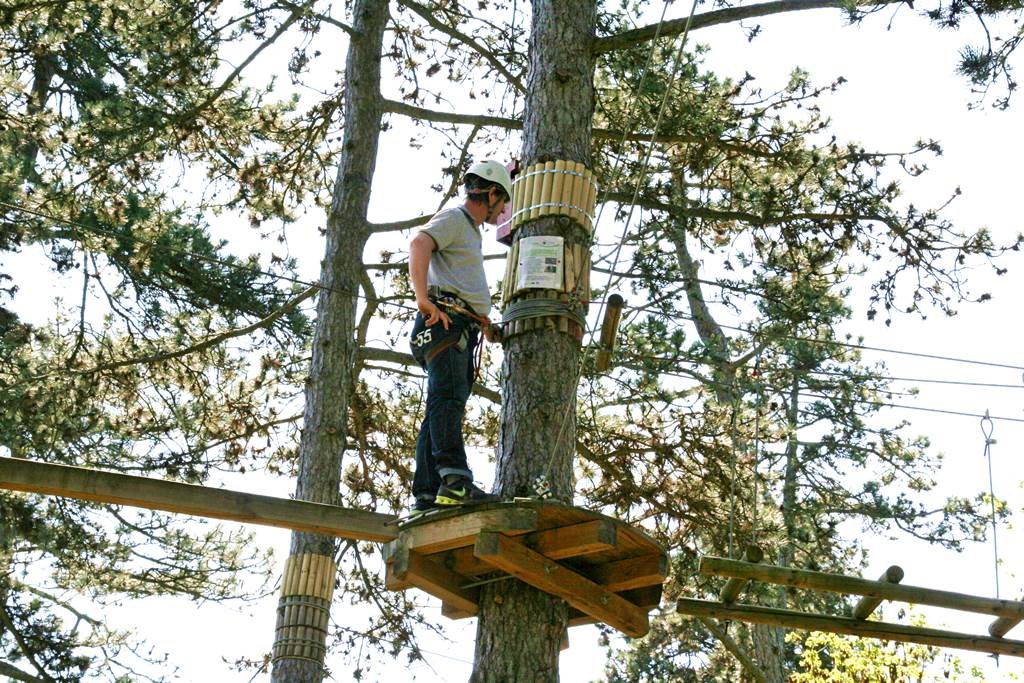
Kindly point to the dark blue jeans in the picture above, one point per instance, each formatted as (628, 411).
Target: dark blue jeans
(447, 356)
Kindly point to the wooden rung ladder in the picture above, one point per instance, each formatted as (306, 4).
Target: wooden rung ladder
(1008, 613)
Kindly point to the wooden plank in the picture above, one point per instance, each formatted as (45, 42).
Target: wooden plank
(31, 476)
(867, 604)
(802, 578)
(636, 572)
(847, 626)
(533, 568)
(732, 588)
(434, 536)
(414, 570)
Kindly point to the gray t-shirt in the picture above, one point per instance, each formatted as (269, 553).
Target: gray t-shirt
(457, 265)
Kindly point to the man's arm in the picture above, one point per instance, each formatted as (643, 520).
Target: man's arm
(420, 249)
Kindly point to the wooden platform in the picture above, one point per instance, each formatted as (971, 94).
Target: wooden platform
(607, 571)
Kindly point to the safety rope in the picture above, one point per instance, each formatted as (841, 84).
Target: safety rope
(732, 473)
(522, 309)
(616, 172)
(756, 376)
(987, 429)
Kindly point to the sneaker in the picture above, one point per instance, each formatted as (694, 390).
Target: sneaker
(462, 491)
(421, 507)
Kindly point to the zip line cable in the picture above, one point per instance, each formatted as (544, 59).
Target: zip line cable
(307, 283)
(924, 409)
(853, 376)
(851, 345)
(987, 430)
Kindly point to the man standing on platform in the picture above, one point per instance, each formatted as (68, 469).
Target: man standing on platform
(446, 269)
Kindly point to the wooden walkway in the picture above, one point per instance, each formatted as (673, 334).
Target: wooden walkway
(32, 476)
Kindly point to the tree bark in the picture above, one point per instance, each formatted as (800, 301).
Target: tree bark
(520, 628)
(300, 640)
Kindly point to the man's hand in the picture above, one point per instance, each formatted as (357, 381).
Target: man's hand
(493, 333)
(431, 313)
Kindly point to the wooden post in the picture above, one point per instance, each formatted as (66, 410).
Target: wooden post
(802, 578)
(866, 605)
(609, 330)
(731, 589)
(844, 625)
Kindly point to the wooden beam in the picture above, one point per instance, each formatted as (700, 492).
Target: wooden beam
(867, 604)
(461, 530)
(412, 569)
(547, 575)
(637, 572)
(732, 588)
(32, 476)
(847, 626)
(558, 543)
(577, 539)
(646, 599)
(802, 578)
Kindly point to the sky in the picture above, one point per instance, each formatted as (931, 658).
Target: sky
(900, 87)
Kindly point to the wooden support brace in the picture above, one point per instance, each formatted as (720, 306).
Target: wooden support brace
(412, 569)
(637, 572)
(547, 575)
(1001, 626)
(802, 578)
(866, 605)
(845, 625)
(732, 588)
(572, 541)
(32, 476)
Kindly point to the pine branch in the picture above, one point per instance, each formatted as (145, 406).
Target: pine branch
(26, 650)
(14, 673)
(734, 648)
(384, 355)
(424, 114)
(292, 18)
(675, 27)
(401, 225)
(492, 59)
(206, 343)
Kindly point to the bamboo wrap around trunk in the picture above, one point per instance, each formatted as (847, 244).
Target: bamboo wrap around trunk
(555, 188)
(551, 188)
(304, 607)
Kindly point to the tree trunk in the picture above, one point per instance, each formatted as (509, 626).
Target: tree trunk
(520, 628)
(308, 585)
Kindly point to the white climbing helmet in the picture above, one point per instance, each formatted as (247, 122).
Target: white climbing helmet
(495, 171)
